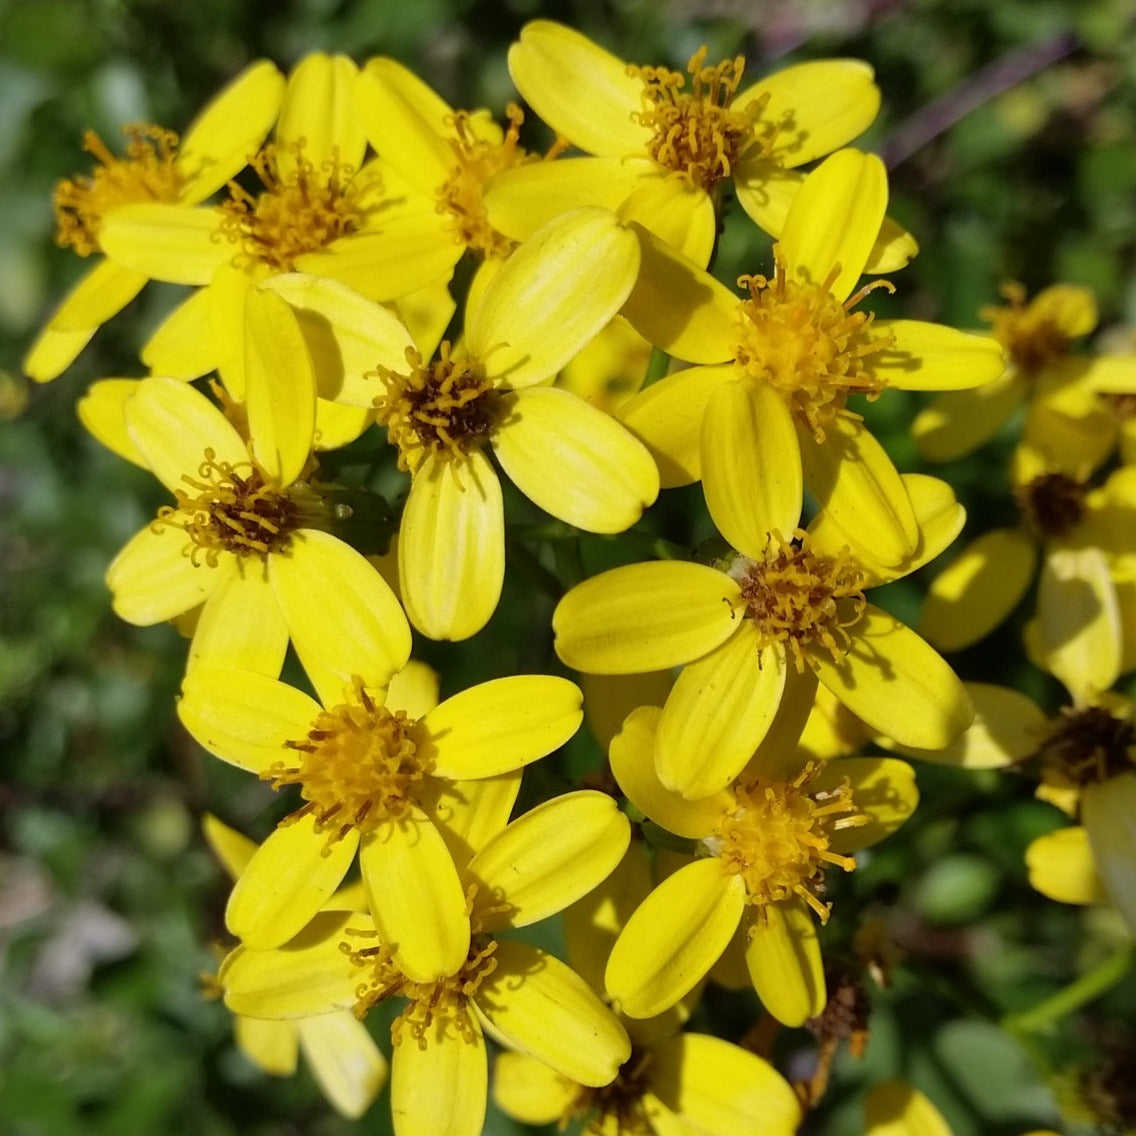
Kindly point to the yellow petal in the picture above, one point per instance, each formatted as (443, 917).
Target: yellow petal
(440, 1089)
(895, 1109)
(273, 1047)
(451, 547)
(182, 345)
(779, 755)
(547, 859)
(894, 249)
(290, 877)
(751, 465)
(765, 190)
(896, 683)
(416, 896)
(103, 411)
(978, 589)
(152, 579)
(281, 387)
(554, 295)
(784, 961)
(633, 764)
(52, 352)
(179, 244)
(228, 295)
(344, 620)
(229, 846)
(957, 423)
(834, 220)
(1070, 307)
(582, 91)
(675, 936)
(929, 356)
(529, 1091)
(413, 689)
(574, 461)
(717, 714)
(469, 814)
(1061, 866)
(644, 617)
(883, 788)
(1108, 811)
(608, 699)
(348, 1066)
(319, 108)
(676, 211)
(535, 1004)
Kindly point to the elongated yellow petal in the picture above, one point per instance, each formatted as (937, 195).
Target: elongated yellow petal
(344, 619)
(176, 243)
(751, 465)
(894, 249)
(667, 418)
(957, 423)
(535, 1004)
(608, 699)
(784, 961)
(574, 461)
(929, 356)
(679, 307)
(554, 295)
(172, 425)
(502, 724)
(644, 617)
(780, 755)
(633, 764)
(152, 579)
(241, 626)
(717, 714)
(547, 859)
(1108, 811)
(529, 1091)
(896, 683)
(676, 211)
(675, 936)
(583, 92)
(280, 395)
(319, 109)
(273, 1047)
(416, 896)
(720, 1088)
(230, 847)
(52, 352)
(979, 589)
(834, 220)
(344, 1059)
(103, 411)
(765, 190)
(290, 877)
(896, 1109)
(182, 345)
(883, 788)
(469, 814)
(451, 547)
(1061, 866)
(441, 1089)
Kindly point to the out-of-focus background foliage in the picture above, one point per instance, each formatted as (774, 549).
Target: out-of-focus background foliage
(1011, 131)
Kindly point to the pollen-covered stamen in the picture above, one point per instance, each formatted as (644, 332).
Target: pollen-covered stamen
(616, 1107)
(793, 596)
(233, 508)
(303, 211)
(358, 766)
(777, 838)
(444, 407)
(434, 1007)
(696, 133)
(1053, 503)
(810, 347)
(147, 173)
(1031, 337)
(1089, 745)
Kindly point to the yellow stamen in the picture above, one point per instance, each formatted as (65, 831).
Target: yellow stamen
(147, 173)
(813, 349)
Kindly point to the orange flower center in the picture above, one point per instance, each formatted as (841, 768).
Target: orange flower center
(1053, 503)
(147, 173)
(813, 349)
(1031, 336)
(798, 598)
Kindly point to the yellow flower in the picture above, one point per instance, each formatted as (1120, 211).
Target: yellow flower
(156, 168)
(664, 144)
(610, 369)
(763, 845)
(894, 1108)
(774, 371)
(248, 536)
(753, 632)
(521, 996)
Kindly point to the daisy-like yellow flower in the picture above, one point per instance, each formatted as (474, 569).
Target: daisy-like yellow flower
(348, 1066)
(663, 144)
(775, 370)
(249, 539)
(370, 775)
(521, 996)
(763, 846)
(754, 630)
(156, 168)
(1059, 387)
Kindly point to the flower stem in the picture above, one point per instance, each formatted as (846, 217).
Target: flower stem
(1089, 986)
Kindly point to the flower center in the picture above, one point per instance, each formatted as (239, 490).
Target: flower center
(696, 133)
(301, 212)
(1088, 746)
(357, 767)
(444, 407)
(777, 839)
(1053, 503)
(433, 1006)
(1031, 336)
(798, 598)
(231, 508)
(147, 173)
(618, 1106)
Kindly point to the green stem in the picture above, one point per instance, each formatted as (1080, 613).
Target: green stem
(1089, 986)
(657, 366)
